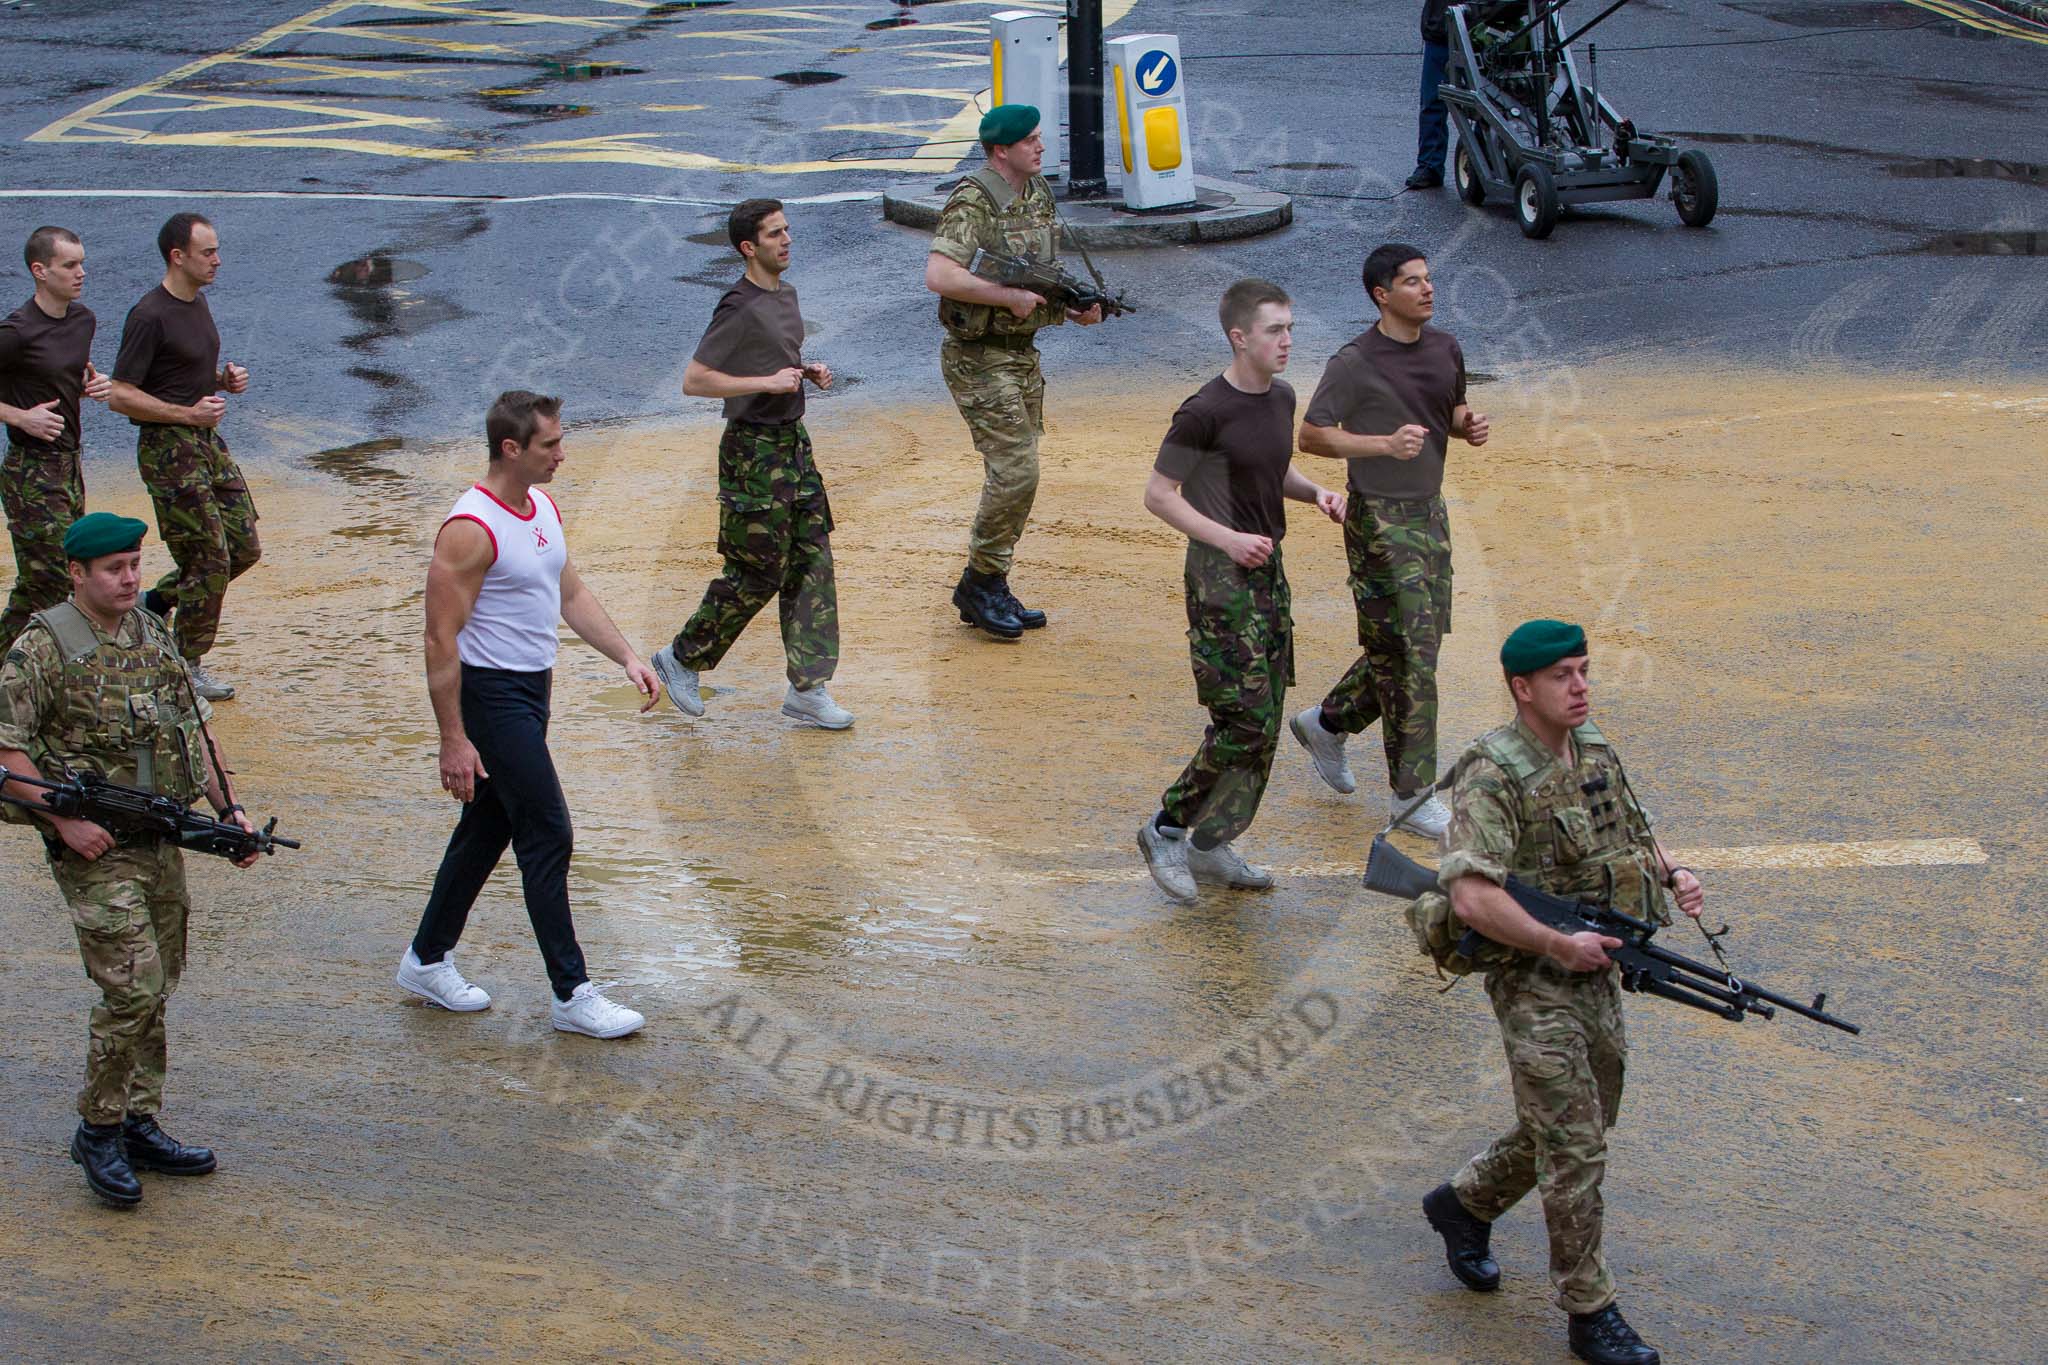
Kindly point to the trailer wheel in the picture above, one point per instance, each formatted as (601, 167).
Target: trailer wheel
(1535, 201)
(1465, 171)
(1694, 190)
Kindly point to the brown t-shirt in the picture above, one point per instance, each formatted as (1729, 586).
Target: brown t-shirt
(170, 349)
(1374, 386)
(755, 332)
(1230, 450)
(41, 358)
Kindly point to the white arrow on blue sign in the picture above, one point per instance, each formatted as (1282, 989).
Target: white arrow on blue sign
(1156, 72)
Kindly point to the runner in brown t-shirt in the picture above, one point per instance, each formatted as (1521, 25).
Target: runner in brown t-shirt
(774, 523)
(1388, 405)
(45, 369)
(1221, 476)
(167, 380)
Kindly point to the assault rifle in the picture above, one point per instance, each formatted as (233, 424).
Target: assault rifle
(88, 796)
(1645, 966)
(1047, 279)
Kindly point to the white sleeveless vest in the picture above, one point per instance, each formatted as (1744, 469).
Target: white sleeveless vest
(513, 625)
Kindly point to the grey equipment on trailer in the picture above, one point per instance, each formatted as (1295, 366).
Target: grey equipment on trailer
(1532, 131)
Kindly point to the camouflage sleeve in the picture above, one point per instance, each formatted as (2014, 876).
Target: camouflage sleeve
(1484, 828)
(28, 690)
(965, 226)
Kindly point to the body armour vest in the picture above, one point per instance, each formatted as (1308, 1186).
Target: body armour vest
(1582, 833)
(125, 711)
(1025, 225)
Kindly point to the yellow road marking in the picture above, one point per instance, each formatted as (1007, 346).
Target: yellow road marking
(1979, 20)
(673, 108)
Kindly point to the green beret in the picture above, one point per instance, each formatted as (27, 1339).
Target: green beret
(102, 533)
(1539, 644)
(1008, 123)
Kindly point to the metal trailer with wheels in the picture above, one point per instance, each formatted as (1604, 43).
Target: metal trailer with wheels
(1531, 131)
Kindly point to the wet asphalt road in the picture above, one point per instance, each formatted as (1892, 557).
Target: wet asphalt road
(1849, 163)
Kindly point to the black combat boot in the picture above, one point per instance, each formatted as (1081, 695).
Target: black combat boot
(1465, 1241)
(96, 1147)
(1031, 618)
(982, 603)
(1605, 1338)
(150, 1148)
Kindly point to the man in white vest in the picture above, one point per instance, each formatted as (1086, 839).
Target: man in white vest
(500, 581)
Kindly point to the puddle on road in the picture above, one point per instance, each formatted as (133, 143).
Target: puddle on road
(810, 77)
(881, 25)
(587, 71)
(516, 109)
(2016, 243)
(1970, 168)
(375, 272)
(360, 465)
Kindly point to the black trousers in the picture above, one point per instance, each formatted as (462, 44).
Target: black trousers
(521, 804)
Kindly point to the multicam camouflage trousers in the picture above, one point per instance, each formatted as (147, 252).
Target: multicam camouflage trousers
(1566, 1056)
(1400, 554)
(129, 907)
(1001, 394)
(207, 520)
(1241, 642)
(774, 530)
(43, 492)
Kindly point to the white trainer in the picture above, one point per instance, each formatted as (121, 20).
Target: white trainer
(1225, 865)
(1325, 750)
(440, 984)
(205, 684)
(588, 1012)
(1430, 819)
(680, 682)
(815, 705)
(1167, 856)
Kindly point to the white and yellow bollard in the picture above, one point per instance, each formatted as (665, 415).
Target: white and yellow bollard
(1151, 120)
(1024, 62)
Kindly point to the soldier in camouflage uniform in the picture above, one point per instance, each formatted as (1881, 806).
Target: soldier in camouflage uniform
(1221, 478)
(168, 380)
(990, 355)
(1388, 404)
(95, 684)
(774, 521)
(1544, 800)
(45, 368)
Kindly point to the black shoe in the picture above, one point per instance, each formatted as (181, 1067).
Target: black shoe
(1605, 1338)
(1423, 178)
(1465, 1241)
(150, 1148)
(981, 602)
(97, 1149)
(1031, 618)
(156, 604)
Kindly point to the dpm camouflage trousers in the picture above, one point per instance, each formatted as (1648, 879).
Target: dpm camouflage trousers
(43, 492)
(207, 520)
(774, 531)
(1241, 643)
(1400, 558)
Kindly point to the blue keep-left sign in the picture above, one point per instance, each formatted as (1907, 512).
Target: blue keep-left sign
(1156, 72)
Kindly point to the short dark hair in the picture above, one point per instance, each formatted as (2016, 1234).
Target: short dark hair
(1241, 302)
(1385, 262)
(176, 233)
(42, 245)
(516, 416)
(747, 217)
